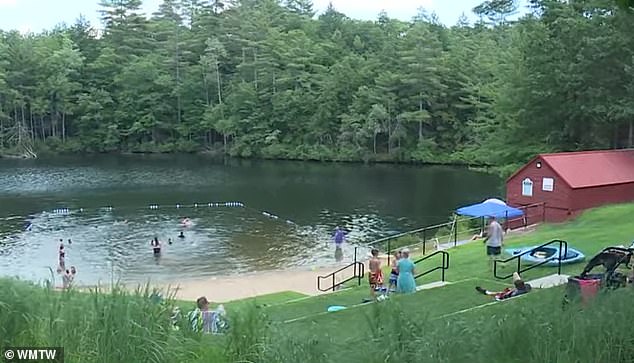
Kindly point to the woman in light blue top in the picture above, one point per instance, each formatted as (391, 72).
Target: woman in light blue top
(405, 266)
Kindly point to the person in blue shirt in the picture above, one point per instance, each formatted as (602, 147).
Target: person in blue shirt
(339, 237)
(405, 282)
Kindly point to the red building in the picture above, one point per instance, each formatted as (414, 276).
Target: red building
(565, 184)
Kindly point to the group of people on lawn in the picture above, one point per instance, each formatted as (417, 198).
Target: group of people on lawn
(402, 278)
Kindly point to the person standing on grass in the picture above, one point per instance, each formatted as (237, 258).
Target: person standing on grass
(375, 277)
(494, 240)
(394, 272)
(405, 282)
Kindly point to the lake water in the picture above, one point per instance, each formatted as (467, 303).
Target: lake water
(310, 199)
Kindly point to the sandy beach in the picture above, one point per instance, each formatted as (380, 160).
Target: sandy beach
(228, 288)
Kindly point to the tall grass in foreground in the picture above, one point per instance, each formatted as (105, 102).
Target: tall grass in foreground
(117, 326)
(120, 326)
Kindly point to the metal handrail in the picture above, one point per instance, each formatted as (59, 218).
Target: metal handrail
(453, 236)
(359, 272)
(442, 268)
(563, 251)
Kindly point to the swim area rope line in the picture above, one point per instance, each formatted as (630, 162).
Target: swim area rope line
(67, 211)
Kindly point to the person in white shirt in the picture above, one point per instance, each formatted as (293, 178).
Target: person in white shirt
(494, 240)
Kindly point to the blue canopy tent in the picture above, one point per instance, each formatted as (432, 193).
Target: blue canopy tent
(490, 208)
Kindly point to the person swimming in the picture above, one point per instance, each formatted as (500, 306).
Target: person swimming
(186, 222)
(169, 241)
(181, 235)
(156, 246)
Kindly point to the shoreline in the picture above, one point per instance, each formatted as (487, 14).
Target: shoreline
(226, 288)
(383, 159)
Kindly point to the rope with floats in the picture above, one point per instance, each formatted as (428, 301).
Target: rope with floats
(154, 206)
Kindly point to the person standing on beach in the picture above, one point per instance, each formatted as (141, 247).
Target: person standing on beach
(494, 240)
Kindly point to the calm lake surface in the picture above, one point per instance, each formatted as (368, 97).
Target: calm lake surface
(370, 201)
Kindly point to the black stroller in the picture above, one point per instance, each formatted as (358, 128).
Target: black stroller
(586, 285)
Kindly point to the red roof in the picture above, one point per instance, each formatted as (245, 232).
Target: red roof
(586, 169)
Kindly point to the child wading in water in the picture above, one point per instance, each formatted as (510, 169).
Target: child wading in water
(394, 273)
(376, 276)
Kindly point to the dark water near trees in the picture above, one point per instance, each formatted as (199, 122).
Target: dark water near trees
(369, 201)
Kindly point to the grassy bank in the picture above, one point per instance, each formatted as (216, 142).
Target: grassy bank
(448, 324)
(129, 327)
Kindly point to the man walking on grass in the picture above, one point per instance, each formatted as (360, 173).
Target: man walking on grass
(494, 240)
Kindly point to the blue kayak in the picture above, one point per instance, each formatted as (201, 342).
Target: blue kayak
(548, 253)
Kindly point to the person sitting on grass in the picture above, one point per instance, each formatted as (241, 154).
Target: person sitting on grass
(519, 288)
(207, 321)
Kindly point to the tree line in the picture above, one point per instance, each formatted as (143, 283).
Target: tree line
(269, 78)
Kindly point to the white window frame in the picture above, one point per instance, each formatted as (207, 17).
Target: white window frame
(548, 184)
(527, 187)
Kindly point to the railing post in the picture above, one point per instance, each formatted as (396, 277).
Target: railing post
(424, 240)
(333, 282)
(354, 272)
(519, 264)
(482, 226)
(561, 245)
(455, 231)
(388, 251)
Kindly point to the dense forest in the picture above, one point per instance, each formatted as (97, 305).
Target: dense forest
(270, 78)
